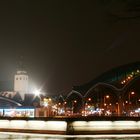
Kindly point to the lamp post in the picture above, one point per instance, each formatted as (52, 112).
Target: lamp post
(129, 98)
(106, 97)
(88, 105)
(73, 103)
(104, 103)
(59, 108)
(65, 107)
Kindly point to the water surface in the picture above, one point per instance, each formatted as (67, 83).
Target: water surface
(28, 136)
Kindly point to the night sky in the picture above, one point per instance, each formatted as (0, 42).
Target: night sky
(67, 43)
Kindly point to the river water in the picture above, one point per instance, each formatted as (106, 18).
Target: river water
(25, 136)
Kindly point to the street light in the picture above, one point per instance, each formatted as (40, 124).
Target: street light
(132, 93)
(129, 98)
(37, 92)
(89, 99)
(65, 107)
(73, 102)
(106, 97)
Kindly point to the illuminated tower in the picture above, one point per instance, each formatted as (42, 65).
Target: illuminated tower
(21, 83)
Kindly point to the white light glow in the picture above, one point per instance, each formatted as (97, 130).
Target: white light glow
(105, 125)
(18, 124)
(56, 125)
(4, 124)
(37, 92)
(36, 124)
(125, 125)
(77, 125)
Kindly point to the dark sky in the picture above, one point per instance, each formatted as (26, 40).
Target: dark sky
(66, 43)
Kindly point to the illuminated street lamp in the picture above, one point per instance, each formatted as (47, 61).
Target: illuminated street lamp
(129, 98)
(37, 92)
(89, 99)
(107, 96)
(47, 102)
(65, 106)
(132, 93)
(104, 103)
(73, 102)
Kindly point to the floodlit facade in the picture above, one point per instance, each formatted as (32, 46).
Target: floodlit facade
(21, 83)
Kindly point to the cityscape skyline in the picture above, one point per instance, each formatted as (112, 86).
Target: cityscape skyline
(64, 44)
(69, 69)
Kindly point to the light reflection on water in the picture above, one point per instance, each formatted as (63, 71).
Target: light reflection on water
(19, 136)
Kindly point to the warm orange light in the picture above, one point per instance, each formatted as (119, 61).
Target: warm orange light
(75, 101)
(126, 102)
(88, 106)
(59, 103)
(107, 96)
(132, 92)
(44, 99)
(129, 77)
(89, 99)
(65, 102)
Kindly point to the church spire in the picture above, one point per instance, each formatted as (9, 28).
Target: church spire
(21, 79)
(20, 63)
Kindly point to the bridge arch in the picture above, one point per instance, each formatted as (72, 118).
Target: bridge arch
(105, 85)
(74, 92)
(129, 84)
(10, 101)
(75, 101)
(61, 99)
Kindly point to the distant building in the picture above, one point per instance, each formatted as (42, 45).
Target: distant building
(21, 83)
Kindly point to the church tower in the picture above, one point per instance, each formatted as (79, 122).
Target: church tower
(21, 83)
